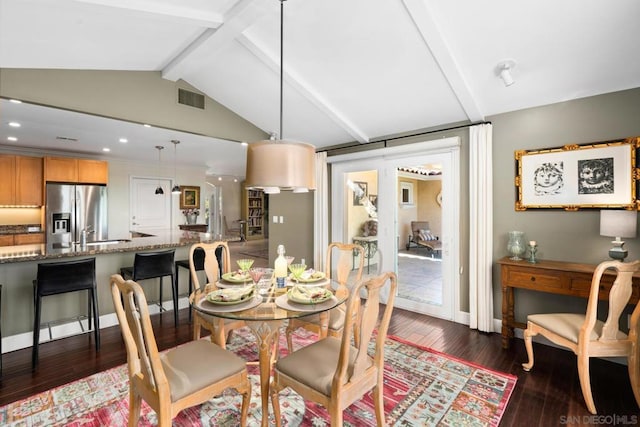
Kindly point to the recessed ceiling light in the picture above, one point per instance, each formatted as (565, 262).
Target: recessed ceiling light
(106, 149)
(235, 179)
(123, 140)
(15, 101)
(244, 144)
(12, 138)
(146, 125)
(14, 124)
(219, 178)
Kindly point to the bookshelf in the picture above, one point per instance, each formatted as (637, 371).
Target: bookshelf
(253, 211)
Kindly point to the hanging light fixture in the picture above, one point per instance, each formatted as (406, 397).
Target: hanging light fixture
(159, 189)
(176, 187)
(274, 165)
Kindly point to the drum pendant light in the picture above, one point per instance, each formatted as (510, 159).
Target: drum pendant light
(159, 189)
(274, 165)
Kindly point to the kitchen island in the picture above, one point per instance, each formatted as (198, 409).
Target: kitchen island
(18, 269)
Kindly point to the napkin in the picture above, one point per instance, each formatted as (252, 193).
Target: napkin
(306, 293)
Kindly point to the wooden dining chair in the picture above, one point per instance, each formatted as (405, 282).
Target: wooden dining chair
(182, 377)
(345, 253)
(587, 336)
(217, 326)
(332, 371)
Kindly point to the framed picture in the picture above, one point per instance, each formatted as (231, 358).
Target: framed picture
(360, 191)
(189, 197)
(599, 176)
(406, 194)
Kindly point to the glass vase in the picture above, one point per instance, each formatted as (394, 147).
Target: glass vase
(516, 245)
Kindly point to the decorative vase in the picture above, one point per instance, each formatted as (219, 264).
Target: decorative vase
(516, 245)
(191, 218)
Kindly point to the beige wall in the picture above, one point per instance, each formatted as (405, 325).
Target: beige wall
(136, 96)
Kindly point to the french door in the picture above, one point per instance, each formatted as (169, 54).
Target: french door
(369, 185)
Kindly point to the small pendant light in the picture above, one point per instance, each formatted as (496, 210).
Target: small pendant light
(176, 188)
(159, 189)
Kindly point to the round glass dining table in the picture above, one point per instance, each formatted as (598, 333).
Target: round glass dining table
(264, 315)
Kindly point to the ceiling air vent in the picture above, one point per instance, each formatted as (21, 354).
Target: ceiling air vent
(191, 99)
(66, 138)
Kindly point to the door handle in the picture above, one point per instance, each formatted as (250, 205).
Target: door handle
(134, 223)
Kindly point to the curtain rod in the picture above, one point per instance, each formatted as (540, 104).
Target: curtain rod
(385, 140)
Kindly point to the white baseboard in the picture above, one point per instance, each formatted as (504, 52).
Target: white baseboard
(73, 327)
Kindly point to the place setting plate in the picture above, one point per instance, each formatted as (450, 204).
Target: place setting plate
(317, 278)
(236, 278)
(230, 300)
(307, 299)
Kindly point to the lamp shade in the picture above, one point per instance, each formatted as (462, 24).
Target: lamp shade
(284, 165)
(618, 223)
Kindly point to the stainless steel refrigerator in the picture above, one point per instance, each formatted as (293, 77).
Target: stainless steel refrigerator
(72, 208)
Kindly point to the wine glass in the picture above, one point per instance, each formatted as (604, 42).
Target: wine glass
(244, 264)
(256, 274)
(289, 259)
(297, 270)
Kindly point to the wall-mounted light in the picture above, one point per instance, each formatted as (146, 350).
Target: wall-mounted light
(504, 72)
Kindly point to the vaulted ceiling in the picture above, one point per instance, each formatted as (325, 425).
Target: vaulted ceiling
(354, 70)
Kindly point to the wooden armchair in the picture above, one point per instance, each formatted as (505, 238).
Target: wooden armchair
(332, 371)
(589, 337)
(182, 377)
(337, 315)
(216, 325)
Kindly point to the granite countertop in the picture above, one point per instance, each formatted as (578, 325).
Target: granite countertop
(155, 239)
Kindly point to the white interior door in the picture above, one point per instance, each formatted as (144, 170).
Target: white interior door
(150, 210)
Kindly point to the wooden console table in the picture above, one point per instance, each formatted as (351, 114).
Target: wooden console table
(555, 277)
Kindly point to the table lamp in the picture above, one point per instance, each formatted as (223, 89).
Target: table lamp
(618, 224)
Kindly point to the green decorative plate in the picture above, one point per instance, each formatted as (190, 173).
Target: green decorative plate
(236, 277)
(308, 295)
(229, 296)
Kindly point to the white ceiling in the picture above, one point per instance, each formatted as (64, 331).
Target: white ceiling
(355, 70)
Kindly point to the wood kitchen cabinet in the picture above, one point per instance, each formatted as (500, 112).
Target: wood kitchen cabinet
(81, 171)
(21, 177)
(21, 239)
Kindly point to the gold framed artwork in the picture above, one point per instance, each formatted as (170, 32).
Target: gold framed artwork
(600, 175)
(189, 197)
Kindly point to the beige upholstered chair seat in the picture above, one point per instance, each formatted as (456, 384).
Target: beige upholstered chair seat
(568, 325)
(323, 356)
(194, 367)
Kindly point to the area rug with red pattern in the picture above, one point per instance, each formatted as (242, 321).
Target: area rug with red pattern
(422, 387)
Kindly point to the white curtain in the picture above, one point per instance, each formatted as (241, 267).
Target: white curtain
(321, 212)
(481, 228)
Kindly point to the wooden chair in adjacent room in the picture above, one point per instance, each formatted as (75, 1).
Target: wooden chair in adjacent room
(57, 278)
(152, 265)
(345, 253)
(332, 371)
(587, 336)
(221, 329)
(179, 378)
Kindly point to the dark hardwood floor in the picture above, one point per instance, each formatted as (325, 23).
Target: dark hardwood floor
(548, 395)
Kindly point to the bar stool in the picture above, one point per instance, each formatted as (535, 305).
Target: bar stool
(151, 265)
(59, 278)
(198, 262)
